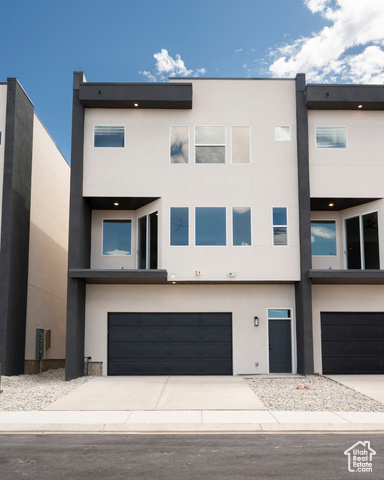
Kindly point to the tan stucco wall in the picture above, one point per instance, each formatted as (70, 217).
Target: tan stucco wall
(250, 343)
(143, 168)
(342, 298)
(48, 250)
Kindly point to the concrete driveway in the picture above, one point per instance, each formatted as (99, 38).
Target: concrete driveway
(370, 385)
(161, 393)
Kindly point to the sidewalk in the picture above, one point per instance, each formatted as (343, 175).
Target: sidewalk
(192, 421)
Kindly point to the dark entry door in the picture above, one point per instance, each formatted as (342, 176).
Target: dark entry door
(280, 346)
(170, 344)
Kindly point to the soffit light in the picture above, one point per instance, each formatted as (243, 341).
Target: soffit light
(331, 205)
(116, 204)
(135, 104)
(360, 106)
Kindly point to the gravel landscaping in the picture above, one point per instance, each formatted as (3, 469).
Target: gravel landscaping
(310, 394)
(34, 392)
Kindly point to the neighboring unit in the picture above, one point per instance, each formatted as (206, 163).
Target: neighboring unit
(34, 213)
(194, 208)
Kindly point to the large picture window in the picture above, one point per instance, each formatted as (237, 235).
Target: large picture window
(362, 241)
(323, 237)
(209, 144)
(280, 226)
(331, 137)
(241, 151)
(109, 136)
(179, 226)
(211, 226)
(241, 224)
(179, 144)
(117, 237)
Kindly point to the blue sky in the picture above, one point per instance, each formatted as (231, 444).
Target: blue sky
(44, 41)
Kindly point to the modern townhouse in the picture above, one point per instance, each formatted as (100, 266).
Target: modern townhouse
(34, 212)
(208, 222)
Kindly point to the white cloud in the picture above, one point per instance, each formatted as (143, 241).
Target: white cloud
(166, 67)
(327, 55)
(238, 50)
(322, 232)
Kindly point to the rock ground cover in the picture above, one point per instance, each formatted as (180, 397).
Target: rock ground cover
(312, 393)
(34, 392)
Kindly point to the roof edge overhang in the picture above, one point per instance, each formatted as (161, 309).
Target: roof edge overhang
(136, 95)
(344, 97)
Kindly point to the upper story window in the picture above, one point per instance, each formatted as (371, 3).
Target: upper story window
(331, 137)
(280, 226)
(180, 226)
(323, 237)
(283, 134)
(209, 144)
(109, 136)
(179, 144)
(211, 226)
(241, 151)
(362, 241)
(241, 226)
(117, 239)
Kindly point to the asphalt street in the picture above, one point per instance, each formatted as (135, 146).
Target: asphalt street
(189, 457)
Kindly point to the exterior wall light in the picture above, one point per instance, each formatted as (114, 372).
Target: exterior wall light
(256, 321)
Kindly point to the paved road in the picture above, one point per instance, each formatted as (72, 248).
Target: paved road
(183, 457)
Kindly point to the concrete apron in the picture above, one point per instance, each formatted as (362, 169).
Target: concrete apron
(160, 393)
(370, 385)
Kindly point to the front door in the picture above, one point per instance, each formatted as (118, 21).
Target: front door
(280, 346)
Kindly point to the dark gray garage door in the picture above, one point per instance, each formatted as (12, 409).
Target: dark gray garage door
(352, 342)
(170, 344)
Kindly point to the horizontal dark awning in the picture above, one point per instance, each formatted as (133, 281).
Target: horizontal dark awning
(344, 97)
(323, 204)
(136, 95)
(124, 203)
(346, 277)
(123, 276)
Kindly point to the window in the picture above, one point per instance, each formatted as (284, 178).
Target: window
(0, 137)
(362, 241)
(179, 144)
(211, 226)
(241, 224)
(241, 152)
(117, 237)
(323, 237)
(109, 136)
(210, 144)
(331, 137)
(179, 226)
(280, 234)
(283, 134)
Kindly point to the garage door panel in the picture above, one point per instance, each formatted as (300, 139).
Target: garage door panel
(215, 334)
(186, 367)
(185, 350)
(124, 334)
(185, 333)
(221, 319)
(170, 343)
(216, 350)
(154, 334)
(185, 319)
(365, 349)
(352, 342)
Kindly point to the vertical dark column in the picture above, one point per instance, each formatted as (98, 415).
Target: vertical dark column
(303, 289)
(14, 254)
(79, 242)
